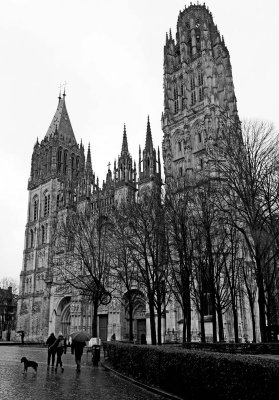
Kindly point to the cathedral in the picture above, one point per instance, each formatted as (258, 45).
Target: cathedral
(199, 102)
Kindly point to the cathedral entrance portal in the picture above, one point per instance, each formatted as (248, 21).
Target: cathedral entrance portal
(63, 317)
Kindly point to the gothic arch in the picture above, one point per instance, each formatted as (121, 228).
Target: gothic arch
(62, 316)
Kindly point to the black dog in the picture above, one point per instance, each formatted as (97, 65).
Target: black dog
(28, 364)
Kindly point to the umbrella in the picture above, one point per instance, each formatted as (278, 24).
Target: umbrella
(80, 336)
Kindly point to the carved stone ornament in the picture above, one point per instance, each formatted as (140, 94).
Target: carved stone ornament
(36, 307)
(23, 308)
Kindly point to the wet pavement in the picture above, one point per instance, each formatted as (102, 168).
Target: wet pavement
(91, 383)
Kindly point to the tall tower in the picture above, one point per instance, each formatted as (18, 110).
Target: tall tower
(57, 163)
(124, 173)
(149, 165)
(199, 98)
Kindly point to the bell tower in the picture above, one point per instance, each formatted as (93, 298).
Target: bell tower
(199, 98)
(56, 168)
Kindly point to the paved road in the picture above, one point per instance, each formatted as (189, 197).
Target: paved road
(91, 383)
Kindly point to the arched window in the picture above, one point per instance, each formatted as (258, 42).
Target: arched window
(35, 208)
(77, 165)
(198, 36)
(193, 90)
(46, 204)
(175, 97)
(59, 159)
(31, 238)
(65, 163)
(43, 234)
(200, 82)
(73, 164)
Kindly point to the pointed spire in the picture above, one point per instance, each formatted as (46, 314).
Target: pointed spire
(167, 39)
(61, 122)
(88, 160)
(148, 140)
(170, 35)
(125, 142)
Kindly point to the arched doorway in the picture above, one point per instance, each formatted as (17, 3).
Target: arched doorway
(138, 317)
(63, 316)
(66, 320)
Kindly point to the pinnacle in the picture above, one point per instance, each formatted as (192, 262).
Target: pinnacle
(125, 142)
(148, 140)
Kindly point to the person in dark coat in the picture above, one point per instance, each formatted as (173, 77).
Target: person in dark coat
(51, 352)
(59, 346)
(77, 349)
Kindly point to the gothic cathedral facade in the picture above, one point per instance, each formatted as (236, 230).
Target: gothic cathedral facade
(199, 101)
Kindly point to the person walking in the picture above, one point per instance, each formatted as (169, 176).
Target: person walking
(59, 346)
(77, 349)
(51, 352)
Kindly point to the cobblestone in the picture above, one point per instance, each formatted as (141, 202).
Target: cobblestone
(91, 383)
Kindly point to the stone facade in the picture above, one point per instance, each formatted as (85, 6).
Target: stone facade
(62, 179)
(199, 101)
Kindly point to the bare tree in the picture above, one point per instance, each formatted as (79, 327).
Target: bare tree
(181, 245)
(250, 197)
(148, 243)
(123, 269)
(81, 257)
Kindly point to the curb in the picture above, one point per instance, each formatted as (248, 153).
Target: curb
(138, 383)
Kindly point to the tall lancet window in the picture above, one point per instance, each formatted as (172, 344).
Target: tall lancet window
(43, 234)
(198, 36)
(193, 90)
(46, 204)
(35, 209)
(31, 238)
(200, 83)
(59, 159)
(65, 163)
(175, 97)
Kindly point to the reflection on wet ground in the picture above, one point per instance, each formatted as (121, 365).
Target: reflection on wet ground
(91, 383)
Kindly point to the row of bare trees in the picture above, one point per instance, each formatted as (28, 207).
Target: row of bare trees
(210, 245)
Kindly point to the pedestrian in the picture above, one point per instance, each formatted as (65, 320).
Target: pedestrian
(59, 346)
(77, 349)
(22, 337)
(51, 351)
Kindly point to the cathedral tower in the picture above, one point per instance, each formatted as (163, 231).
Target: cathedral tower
(56, 166)
(199, 98)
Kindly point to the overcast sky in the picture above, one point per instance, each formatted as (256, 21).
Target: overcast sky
(111, 55)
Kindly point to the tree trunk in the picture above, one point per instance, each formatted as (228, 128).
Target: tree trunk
(261, 302)
(184, 328)
(131, 309)
(202, 329)
(94, 320)
(187, 308)
(159, 325)
(235, 322)
(220, 324)
(152, 322)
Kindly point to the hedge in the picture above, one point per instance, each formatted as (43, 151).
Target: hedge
(193, 375)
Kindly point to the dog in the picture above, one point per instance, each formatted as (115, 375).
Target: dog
(28, 363)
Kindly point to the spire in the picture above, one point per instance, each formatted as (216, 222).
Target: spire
(88, 160)
(148, 140)
(61, 122)
(124, 143)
